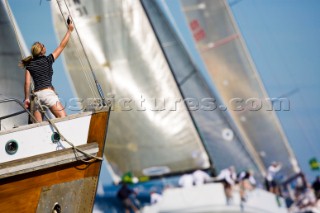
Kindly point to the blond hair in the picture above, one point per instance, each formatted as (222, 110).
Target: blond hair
(35, 51)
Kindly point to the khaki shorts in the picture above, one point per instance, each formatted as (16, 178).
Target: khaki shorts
(46, 97)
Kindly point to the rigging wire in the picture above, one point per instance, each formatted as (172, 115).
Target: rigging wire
(81, 60)
(101, 94)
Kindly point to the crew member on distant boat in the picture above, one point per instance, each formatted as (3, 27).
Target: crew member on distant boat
(39, 67)
(124, 194)
(228, 178)
(186, 181)
(271, 183)
(247, 182)
(200, 177)
(316, 187)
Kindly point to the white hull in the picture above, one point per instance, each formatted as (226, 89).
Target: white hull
(211, 198)
(35, 139)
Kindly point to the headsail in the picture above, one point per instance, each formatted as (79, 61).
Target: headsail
(236, 80)
(11, 76)
(150, 131)
(221, 142)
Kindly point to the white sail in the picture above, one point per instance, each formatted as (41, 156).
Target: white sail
(11, 76)
(235, 78)
(221, 141)
(143, 138)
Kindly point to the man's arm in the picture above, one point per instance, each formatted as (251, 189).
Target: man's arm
(64, 42)
(27, 89)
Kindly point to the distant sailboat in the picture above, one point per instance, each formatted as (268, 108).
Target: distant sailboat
(47, 166)
(199, 198)
(176, 200)
(234, 77)
(222, 143)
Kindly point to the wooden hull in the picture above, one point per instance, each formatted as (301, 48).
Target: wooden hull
(71, 184)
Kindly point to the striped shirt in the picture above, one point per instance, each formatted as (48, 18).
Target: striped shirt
(41, 71)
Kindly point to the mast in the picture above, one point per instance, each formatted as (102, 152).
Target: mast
(11, 76)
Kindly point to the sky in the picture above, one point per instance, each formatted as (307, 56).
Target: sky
(282, 37)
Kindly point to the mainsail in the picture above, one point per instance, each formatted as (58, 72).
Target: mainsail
(150, 131)
(221, 142)
(236, 80)
(11, 76)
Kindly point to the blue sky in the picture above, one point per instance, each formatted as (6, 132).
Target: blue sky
(281, 35)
